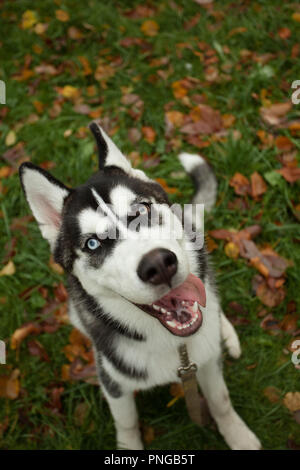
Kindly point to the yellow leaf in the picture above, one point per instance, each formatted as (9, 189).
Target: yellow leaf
(292, 401)
(296, 17)
(74, 33)
(150, 28)
(62, 15)
(40, 28)
(179, 91)
(8, 270)
(70, 92)
(232, 250)
(175, 117)
(29, 19)
(10, 138)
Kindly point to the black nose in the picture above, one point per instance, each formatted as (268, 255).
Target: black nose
(158, 267)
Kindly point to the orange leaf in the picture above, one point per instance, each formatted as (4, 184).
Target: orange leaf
(284, 143)
(74, 33)
(87, 71)
(284, 33)
(258, 186)
(290, 174)
(296, 17)
(10, 385)
(150, 28)
(175, 118)
(272, 394)
(179, 91)
(62, 15)
(240, 184)
(167, 188)
(149, 134)
(239, 30)
(21, 333)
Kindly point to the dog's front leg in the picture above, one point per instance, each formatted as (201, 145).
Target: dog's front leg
(125, 416)
(235, 432)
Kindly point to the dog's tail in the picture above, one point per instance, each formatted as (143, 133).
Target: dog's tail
(203, 177)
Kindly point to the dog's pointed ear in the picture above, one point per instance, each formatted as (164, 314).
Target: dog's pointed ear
(108, 152)
(45, 196)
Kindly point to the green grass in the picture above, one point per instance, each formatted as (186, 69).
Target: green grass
(31, 423)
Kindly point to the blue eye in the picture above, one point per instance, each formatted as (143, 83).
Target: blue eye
(92, 244)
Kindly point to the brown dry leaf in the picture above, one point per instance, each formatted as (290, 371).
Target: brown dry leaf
(134, 135)
(10, 385)
(289, 322)
(175, 118)
(203, 120)
(21, 333)
(210, 244)
(284, 143)
(150, 28)
(290, 174)
(258, 185)
(179, 90)
(62, 15)
(240, 184)
(272, 394)
(39, 106)
(284, 33)
(80, 413)
(149, 134)
(74, 33)
(232, 250)
(148, 434)
(276, 113)
(228, 120)
(238, 30)
(87, 70)
(35, 348)
(9, 269)
(266, 138)
(291, 401)
(55, 266)
(269, 297)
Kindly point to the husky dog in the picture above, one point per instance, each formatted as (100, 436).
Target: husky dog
(138, 298)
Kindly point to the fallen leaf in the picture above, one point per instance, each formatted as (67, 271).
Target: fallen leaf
(21, 333)
(284, 143)
(179, 90)
(238, 30)
(167, 188)
(232, 250)
(10, 139)
(9, 269)
(148, 434)
(70, 92)
(240, 184)
(284, 33)
(276, 113)
(290, 174)
(35, 348)
(258, 186)
(150, 28)
(29, 19)
(272, 394)
(291, 401)
(175, 118)
(296, 17)
(149, 134)
(80, 413)
(62, 15)
(10, 385)
(74, 33)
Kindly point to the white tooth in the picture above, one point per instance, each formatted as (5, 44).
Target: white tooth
(183, 303)
(171, 323)
(195, 307)
(168, 314)
(163, 310)
(156, 307)
(179, 327)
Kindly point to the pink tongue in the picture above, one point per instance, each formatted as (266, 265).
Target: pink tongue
(192, 289)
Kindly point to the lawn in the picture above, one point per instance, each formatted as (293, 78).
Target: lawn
(162, 77)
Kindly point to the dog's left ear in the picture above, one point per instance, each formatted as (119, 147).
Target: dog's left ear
(45, 195)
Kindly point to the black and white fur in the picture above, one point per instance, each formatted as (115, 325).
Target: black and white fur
(133, 351)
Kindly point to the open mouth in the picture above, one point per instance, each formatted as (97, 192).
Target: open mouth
(179, 310)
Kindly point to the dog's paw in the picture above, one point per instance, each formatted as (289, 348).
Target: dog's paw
(237, 434)
(129, 439)
(233, 346)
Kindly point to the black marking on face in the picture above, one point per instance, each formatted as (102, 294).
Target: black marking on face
(101, 144)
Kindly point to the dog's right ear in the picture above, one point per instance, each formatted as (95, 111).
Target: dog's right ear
(45, 195)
